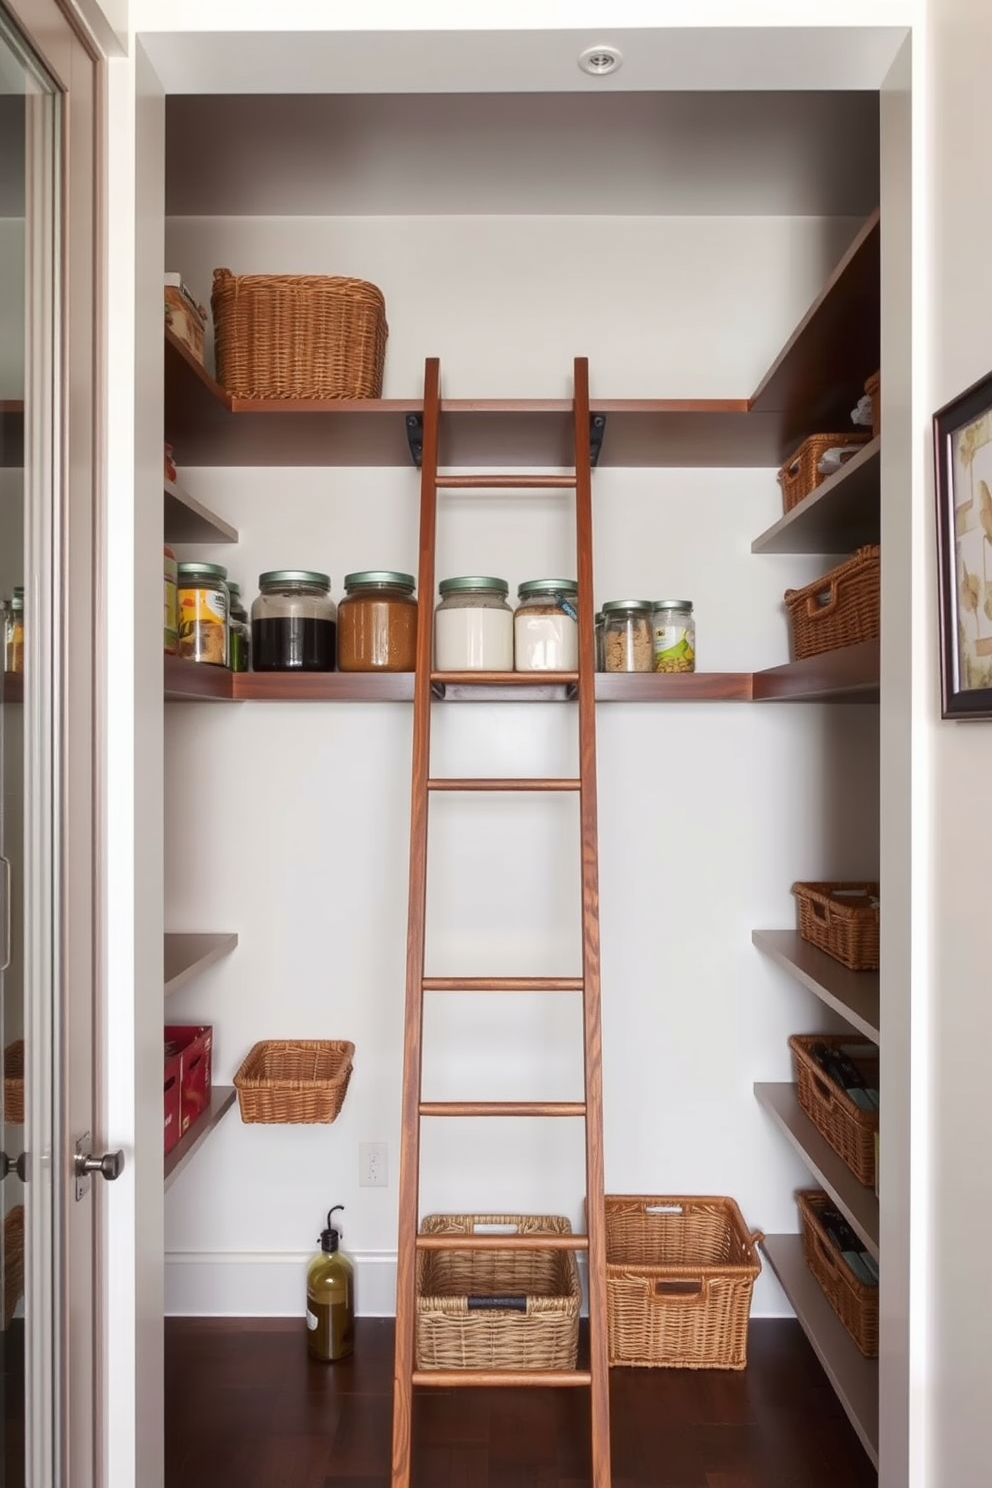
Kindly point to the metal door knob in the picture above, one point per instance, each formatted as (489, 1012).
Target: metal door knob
(109, 1166)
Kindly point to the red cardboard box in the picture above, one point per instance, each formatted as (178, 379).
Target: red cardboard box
(173, 1106)
(193, 1045)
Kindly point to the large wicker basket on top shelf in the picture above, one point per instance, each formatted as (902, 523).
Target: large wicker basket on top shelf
(839, 609)
(854, 1303)
(294, 1080)
(298, 336)
(801, 474)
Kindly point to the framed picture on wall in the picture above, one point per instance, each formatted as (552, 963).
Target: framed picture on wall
(962, 439)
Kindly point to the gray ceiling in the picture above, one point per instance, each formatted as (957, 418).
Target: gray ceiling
(640, 154)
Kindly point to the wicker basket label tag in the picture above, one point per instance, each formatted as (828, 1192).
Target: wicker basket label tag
(494, 1229)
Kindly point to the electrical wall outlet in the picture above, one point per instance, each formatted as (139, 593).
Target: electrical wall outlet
(373, 1165)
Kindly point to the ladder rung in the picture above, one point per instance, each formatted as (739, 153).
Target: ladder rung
(503, 1242)
(502, 1108)
(505, 679)
(453, 1379)
(531, 783)
(502, 984)
(506, 482)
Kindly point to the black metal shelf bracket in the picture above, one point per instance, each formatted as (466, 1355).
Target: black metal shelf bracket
(597, 429)
(415, 437)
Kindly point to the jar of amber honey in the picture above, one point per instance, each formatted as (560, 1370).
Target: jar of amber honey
(377, 623)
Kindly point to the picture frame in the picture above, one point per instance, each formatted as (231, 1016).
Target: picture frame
(962, 442)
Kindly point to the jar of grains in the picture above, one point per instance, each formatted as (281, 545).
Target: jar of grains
(546, 627)
(674, 636)
(377, 623)
(293, 622)
(239, 640)
(171, 633)
(627, 636)
(203, 612)
(473, 626)
(598, 633)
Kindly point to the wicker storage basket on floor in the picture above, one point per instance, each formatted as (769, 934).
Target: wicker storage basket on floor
(294, 1080)
(539, 1326)
(854, 1303)
(800, 475)
(298, 336)
(841, 919)
(13, 1083)
(679, 1275)
(13, 1263)
(839, 609)
(849, 1130)
(873, 387)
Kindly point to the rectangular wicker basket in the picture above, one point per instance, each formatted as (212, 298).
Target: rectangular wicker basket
(497, 1309)
(841, 919)
(13, 1083)
(298, 335)
(679, 1276)
(839, 609)
(854, 1303)
(294, 1080)
(849, 1130)
(873, 387)
(801, 474)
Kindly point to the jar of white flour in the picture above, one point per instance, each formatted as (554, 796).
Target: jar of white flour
(473, 626)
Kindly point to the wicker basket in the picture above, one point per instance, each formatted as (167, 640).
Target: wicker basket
(538, 1325)
(294, 1080)
(13, 1083)
(801, 475)
(679, 1274)
(849, 1130)
(298, 336)
(13, 1263)
(842, 920)
(854, 1303)
(839, 609)
(873, 387)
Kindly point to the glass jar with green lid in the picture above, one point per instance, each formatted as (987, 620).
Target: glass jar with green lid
(239, 640)
(546, 626)
(598, 630)
(203, 606)
(293, 622)
(674, 638)
(473, 626)
(627, 636)
(377, 622)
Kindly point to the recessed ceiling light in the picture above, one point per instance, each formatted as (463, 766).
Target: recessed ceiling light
(599, 60)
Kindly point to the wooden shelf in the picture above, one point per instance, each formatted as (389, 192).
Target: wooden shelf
(195, 682)
(222, 1098)
(850, 675)
(13, 687)
(842, 514)
(813, 385)
(830, 1171)
(11, 433)
(186, 955)
(854, 1378)
(189, 521)
(853, 994)
(686, 687)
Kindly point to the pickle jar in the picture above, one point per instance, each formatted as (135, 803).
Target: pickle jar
(674, 636)
(473, 626)
(293, 622)
(203, 607)
(377, 622)
(545, 626)
(628, 642)
(239, 646)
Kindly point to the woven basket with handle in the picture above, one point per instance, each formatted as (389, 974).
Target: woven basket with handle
(298, 336)
(841, 919)
(679, 1276)
(849, 1130)
(839, 609)
(854, 1303)
(497, 1309)
(801, 474)
(294, 1080)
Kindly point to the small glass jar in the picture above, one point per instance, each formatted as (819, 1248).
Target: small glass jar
(473, 626)
(13, 633)
(171, 623)
(377, 623)
(203, 607)
(674, 635)
(627, 636)
(239, 644)
(293, 622)
(546, 627)
(598, 633)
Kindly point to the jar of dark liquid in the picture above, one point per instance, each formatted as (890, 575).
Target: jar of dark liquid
(293, 622)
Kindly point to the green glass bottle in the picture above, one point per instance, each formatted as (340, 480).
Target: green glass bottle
(330, 1298)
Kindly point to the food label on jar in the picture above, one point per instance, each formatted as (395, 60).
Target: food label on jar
(673, 650)
(203, 625)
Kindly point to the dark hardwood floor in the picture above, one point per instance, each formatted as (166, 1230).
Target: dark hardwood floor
(245, 1408)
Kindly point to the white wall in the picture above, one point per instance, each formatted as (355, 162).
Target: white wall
(289, 824)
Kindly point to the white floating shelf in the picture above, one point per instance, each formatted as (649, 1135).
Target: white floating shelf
(853, 994)
(222, 1098)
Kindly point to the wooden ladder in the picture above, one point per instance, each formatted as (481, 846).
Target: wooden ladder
(406, 1375)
